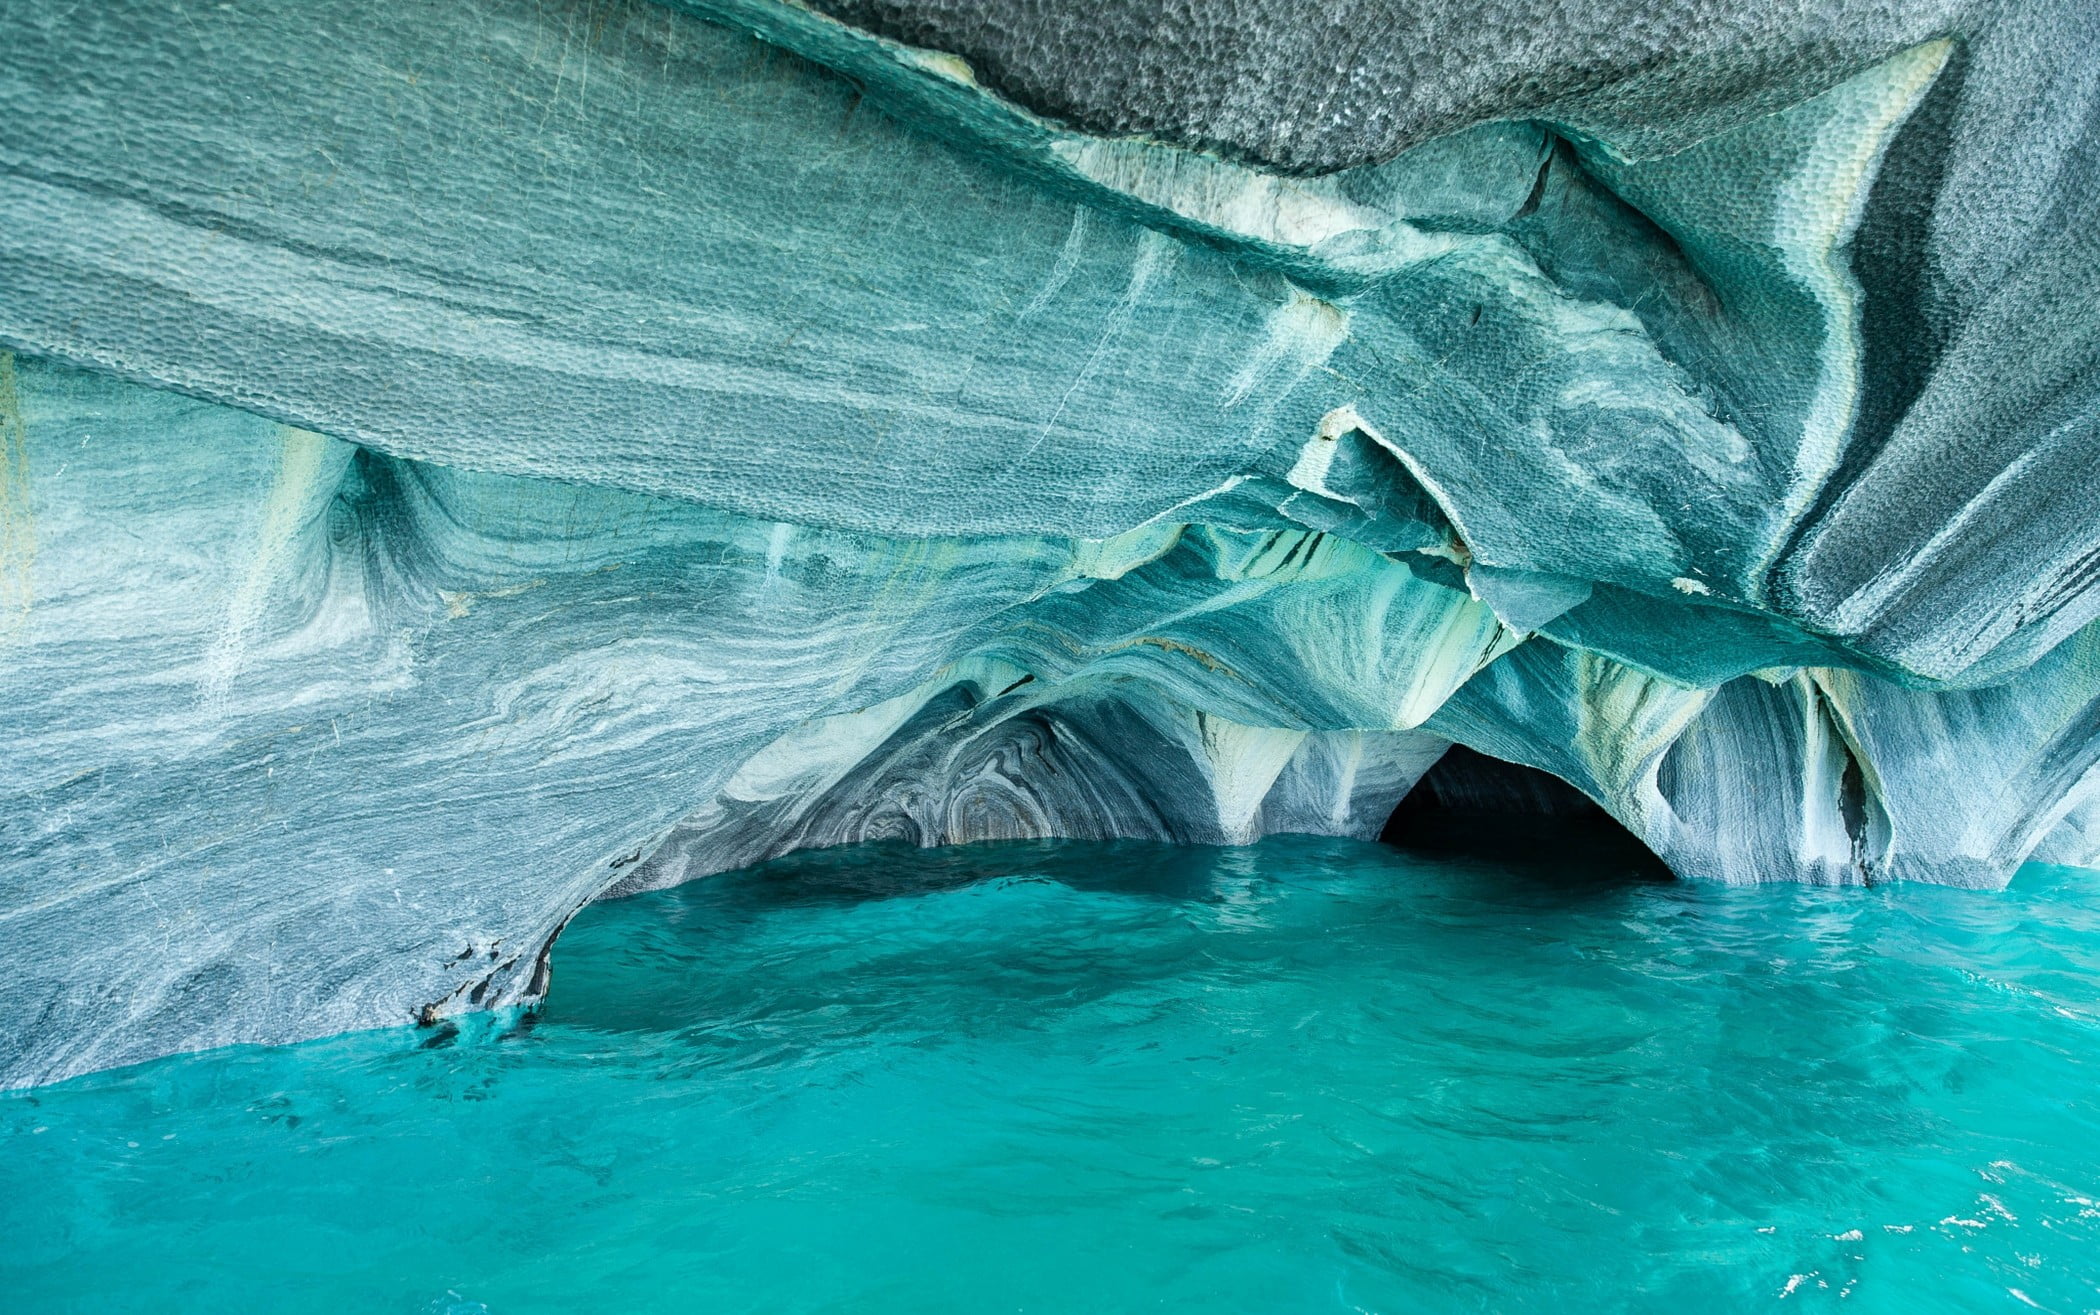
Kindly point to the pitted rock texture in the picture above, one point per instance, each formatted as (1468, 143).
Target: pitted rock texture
(1312, 88)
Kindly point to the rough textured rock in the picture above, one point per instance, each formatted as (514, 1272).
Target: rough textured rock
(1324, 86)
(305, 737)
(458, 462)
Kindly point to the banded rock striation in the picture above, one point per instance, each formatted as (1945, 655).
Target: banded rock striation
(457, 463)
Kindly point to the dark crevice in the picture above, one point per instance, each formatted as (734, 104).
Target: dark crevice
(1866, 825)
(1554, 145)
(1903, 325)
(1852, 808)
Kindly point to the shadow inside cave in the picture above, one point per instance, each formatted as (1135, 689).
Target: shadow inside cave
(1522, 820)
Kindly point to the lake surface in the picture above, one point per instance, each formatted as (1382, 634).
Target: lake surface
(1306, 1076)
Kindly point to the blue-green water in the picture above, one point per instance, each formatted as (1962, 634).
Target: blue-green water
(1306, 1076)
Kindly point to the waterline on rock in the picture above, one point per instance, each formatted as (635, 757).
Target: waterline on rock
(1303, 1075)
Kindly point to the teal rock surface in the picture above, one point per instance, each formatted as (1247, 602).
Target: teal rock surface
(459, 463)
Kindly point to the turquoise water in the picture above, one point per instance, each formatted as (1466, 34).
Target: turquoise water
(1307, 1076)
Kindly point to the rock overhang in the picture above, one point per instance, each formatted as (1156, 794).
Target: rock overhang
(741, 458)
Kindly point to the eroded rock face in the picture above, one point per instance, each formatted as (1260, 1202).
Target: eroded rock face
(459, 463)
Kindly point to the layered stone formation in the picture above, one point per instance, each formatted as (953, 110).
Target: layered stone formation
(458, 463)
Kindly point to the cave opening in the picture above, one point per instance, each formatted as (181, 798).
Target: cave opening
(1470, 805)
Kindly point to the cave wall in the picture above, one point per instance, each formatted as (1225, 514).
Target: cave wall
(305, 737)
(457, 463)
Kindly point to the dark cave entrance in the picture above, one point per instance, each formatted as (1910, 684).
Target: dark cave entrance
(1472, 806)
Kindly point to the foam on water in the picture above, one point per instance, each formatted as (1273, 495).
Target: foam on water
(1308, 1075)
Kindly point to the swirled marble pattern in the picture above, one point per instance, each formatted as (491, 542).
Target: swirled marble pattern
(459, 462)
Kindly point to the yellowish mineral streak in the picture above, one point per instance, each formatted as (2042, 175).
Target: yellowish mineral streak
(17, 522)
(1625, 722)
(301, 464)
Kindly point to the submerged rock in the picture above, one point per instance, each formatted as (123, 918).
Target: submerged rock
(459, 463)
